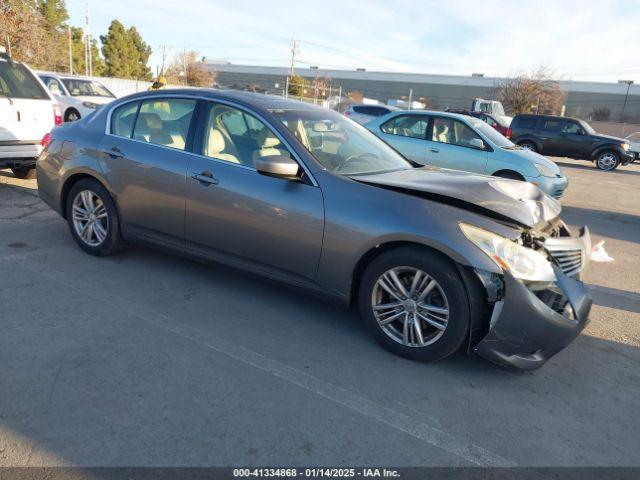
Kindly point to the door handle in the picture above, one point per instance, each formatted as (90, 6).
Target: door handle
(205, 178)
(434, 150)
(115, 152)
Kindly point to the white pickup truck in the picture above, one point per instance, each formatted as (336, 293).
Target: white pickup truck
(28, 112)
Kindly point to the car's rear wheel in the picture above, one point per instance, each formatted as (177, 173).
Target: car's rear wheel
(527, 145)
(71, 115)
(93, 218)
(24, 173)
(607, 161)
(415, 304)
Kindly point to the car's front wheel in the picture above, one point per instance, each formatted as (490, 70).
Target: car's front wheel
(93, 218)
(414, 303)
(607, 161)
(24, 173)
(71, 115)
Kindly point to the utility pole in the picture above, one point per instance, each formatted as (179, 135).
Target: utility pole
(624, 105)
(410, 98)
(87, 47)
(184, 65)
(294, 48)
(70, 53)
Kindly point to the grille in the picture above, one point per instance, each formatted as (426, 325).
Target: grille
(558, 192)
(570, 259)
(554, 299)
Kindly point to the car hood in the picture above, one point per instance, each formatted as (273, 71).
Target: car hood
(535, 158)
(502, 199)
(608, 138)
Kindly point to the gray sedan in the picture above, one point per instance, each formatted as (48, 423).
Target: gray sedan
(436, 260)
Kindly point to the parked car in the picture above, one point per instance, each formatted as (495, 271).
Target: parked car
(77, 96)
(27, 113)
(363, 113)
(569, 137)
(499, 122)
(634, 145)
(461, 142)
(435, 259)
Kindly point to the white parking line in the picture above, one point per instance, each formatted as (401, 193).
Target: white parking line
(455, 445)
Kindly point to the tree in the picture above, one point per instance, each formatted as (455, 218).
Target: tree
(297, 86)
(125, 53)
(54, 13)
(22, 25)
(535, 93)
(77, 53)
(601, 114)
(195, 71)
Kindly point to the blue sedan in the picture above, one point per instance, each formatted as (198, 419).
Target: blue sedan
(460, 142)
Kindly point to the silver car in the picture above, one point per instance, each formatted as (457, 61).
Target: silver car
(364, 113)
(436, 260)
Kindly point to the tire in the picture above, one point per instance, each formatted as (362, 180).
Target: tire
(607, 161)
(449, 293)
(527, 145)
(24, 173)
(100, 242)
(511, 175)
(71, 115)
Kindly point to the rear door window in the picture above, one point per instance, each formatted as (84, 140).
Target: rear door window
(123, 118)
(17, 82)
(164, 121)
(551, 125)
(414, 126)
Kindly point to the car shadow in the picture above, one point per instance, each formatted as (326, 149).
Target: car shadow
(615, 298)
(619, 225)
(588, 166)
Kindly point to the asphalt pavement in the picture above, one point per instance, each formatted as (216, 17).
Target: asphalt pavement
(147, 359)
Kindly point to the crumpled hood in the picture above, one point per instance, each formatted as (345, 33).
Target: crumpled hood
(521, 202)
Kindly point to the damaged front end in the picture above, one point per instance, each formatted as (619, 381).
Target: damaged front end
(532, 320)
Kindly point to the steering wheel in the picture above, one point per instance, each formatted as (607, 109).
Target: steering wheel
(340, 167)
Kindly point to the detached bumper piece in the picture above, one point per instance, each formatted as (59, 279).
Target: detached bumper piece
(525, 331)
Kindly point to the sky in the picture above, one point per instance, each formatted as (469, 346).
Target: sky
(596, 40)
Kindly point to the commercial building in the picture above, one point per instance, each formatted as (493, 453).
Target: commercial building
(437, 91)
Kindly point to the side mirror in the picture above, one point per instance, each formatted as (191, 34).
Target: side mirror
(477, 143)
(279, 166)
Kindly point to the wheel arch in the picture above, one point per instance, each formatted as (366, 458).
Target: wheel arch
(70, 108)
(376, 251)
(605, 148)
(507, 170)
(74, 179)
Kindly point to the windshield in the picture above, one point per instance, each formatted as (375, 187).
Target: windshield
(587, 128)
(17, 82)
(491, 134)
(340, 145)
(86, 88)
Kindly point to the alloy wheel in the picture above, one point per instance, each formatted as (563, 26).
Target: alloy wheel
(72, 116)
(607, 161)
(90, 218)
(528, 146)
(410, 306)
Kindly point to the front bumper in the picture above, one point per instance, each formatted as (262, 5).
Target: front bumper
(552, 186)
(525, 332)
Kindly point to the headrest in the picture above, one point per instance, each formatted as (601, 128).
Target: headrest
(152, 121)
(267, 139)
(216, 142)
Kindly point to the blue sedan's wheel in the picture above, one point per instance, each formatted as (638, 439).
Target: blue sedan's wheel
(414, 303)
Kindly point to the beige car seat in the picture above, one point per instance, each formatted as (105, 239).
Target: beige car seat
(269, 145)
(216, 146)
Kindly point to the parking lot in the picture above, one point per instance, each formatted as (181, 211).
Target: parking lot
(149, 359)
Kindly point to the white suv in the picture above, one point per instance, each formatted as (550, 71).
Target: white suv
(28, 112)
(77, 96)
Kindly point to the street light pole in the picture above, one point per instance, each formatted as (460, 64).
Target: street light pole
(624, 105)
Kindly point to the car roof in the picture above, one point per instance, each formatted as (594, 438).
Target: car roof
(252, 99)
(533, 115)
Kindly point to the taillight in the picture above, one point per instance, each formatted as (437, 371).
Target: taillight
(57, 115)
(46, 140)
(508, 134)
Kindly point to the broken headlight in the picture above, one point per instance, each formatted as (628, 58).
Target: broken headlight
(522, 262)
